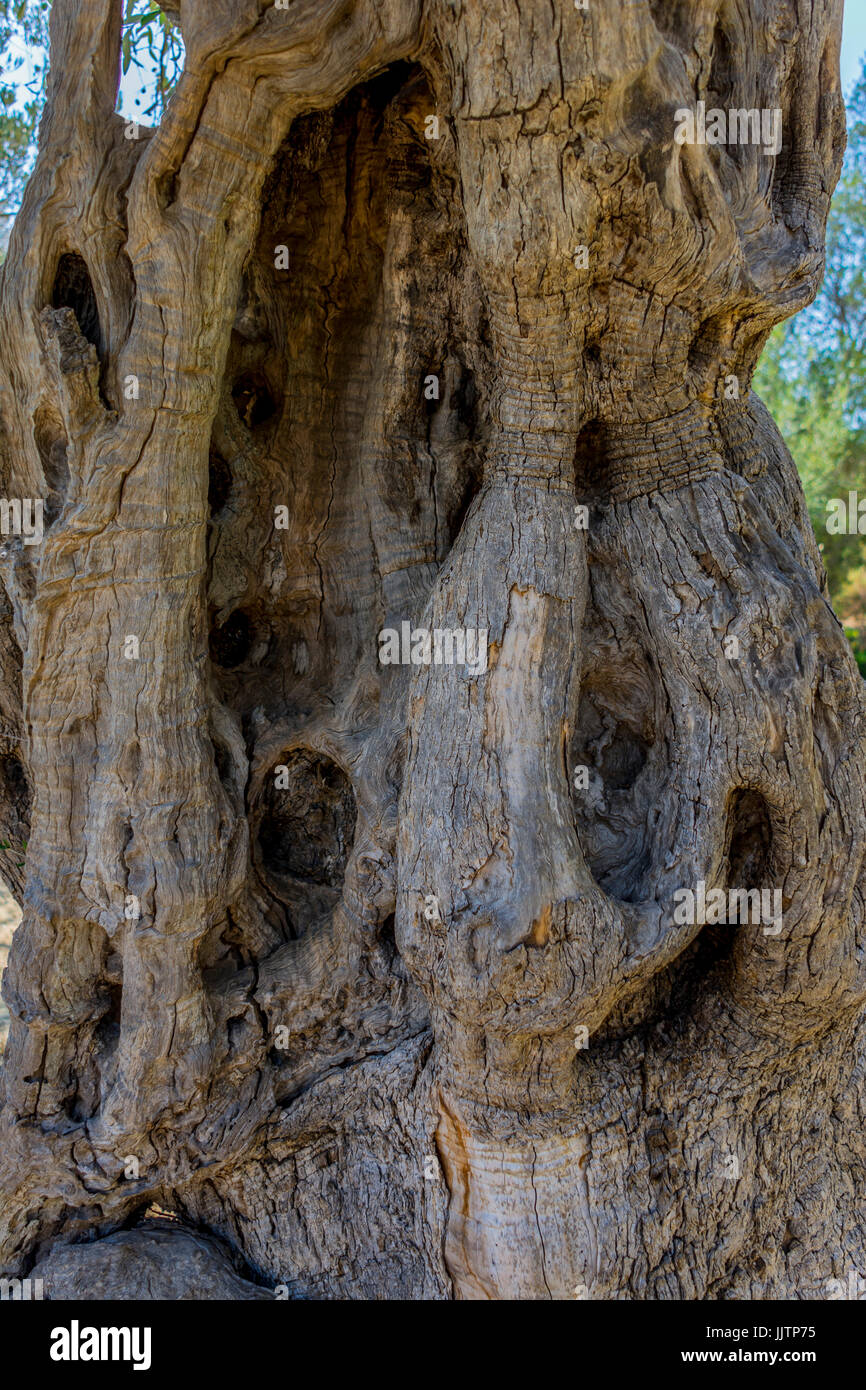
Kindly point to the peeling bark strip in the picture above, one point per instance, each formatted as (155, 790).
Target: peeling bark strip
(427, 320)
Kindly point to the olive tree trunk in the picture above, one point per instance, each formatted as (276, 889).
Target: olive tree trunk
(382, 980)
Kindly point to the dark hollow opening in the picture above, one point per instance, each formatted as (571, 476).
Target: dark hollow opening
(308, 825)
(219, 482)
(254, 399)
(623, 759)
(592, 464)
(231, 643)
(73, 289)
(673, 996)
(457, 517)
(15, 787)
(750, 838)
(464, 403)
(665, 19)
(723, 70)
(614, 738)
(107, 1030)
(166, 189)
(223, 763)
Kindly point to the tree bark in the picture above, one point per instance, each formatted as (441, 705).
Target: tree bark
(340, 963)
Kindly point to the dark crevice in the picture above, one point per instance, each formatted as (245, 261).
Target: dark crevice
(230, 644)
(255, 401)
(15, 800)
(73, 289)
(52, 446)
(219, 482)
(107, 1031)
(723, 71)
(457, 516)
(307, 823)
(675, 995)
(166, 189)
(749, 840)
(464, 404)
(591, 465)
(223, 763)
(668, 20)
(614, 764)
(672, 997)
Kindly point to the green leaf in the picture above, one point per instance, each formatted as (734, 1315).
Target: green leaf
(141, 20)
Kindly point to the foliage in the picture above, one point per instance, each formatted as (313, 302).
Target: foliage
(151, 44)
(16, 849)
(813, 379)
(24, 44)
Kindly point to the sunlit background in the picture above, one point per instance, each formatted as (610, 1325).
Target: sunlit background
(813, 372)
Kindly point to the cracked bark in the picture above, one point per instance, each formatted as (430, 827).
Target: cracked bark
(336, 1093)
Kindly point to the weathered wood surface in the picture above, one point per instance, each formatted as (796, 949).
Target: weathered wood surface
(360, 1094)
(10, 916)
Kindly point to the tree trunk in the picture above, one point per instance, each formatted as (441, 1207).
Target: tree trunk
(376, 977)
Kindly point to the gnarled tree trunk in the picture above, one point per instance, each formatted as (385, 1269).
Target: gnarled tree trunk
(373, 975)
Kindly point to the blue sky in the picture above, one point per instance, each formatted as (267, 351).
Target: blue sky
(853, 41)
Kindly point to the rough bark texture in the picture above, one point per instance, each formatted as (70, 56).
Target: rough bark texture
(353, 1095)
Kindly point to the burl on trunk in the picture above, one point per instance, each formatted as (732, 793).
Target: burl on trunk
(441, 771)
